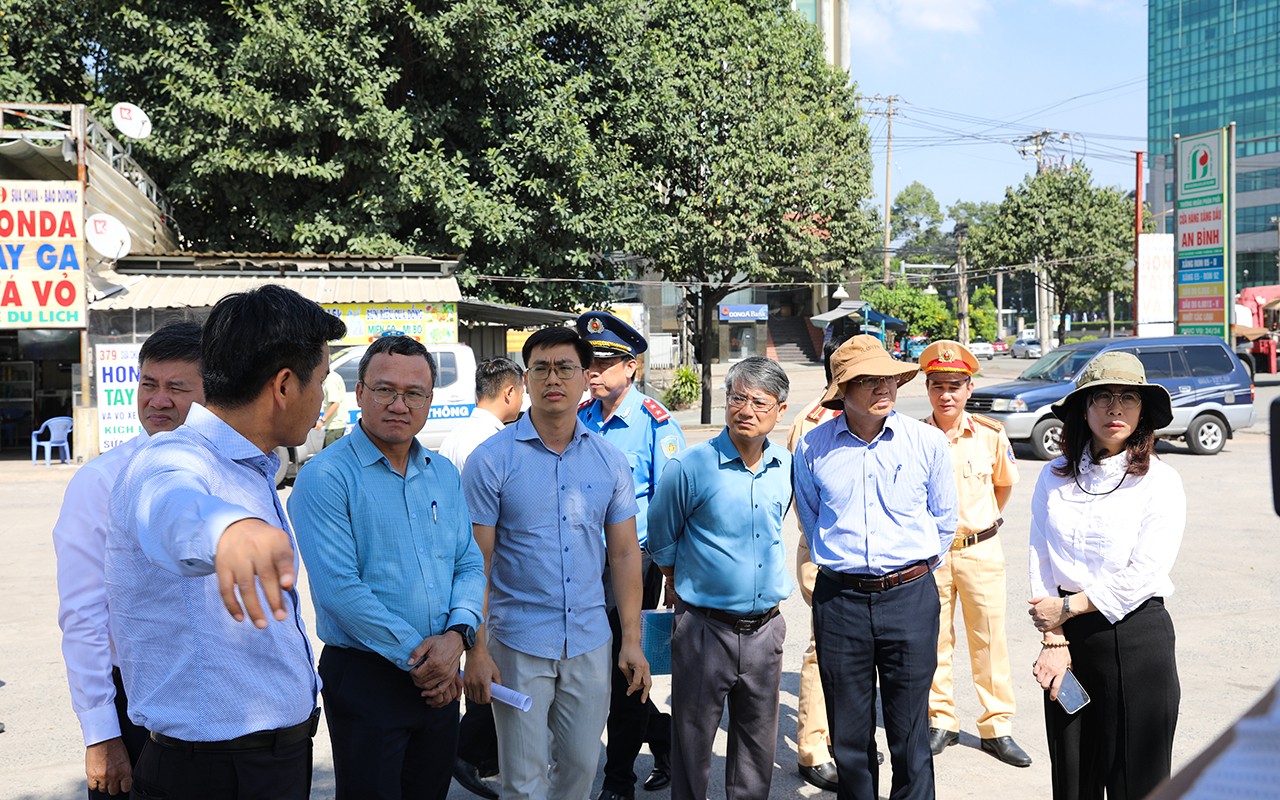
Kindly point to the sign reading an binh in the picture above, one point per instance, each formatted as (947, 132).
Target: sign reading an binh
(1204, 254)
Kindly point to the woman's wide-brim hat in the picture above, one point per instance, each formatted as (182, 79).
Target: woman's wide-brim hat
(1120, 369)
(862, 356)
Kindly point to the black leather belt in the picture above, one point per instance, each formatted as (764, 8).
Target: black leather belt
(878, 583)
(962, 542)
(262, 740)
(739, 624)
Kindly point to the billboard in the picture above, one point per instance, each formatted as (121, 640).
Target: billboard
(1156, 310)
(41, 255)
(429, 323)
(1205, 164)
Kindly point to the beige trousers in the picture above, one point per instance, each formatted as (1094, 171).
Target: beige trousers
(974, 576)
(813, 737)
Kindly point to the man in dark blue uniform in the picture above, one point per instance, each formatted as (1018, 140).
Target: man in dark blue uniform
(644, 430)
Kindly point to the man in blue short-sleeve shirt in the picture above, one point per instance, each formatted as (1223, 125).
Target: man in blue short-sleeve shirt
(549, 501)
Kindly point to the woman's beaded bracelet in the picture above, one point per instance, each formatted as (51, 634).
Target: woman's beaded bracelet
(1052, 645)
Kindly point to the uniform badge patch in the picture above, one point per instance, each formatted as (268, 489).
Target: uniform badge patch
(668, 445)
(1012, 460)
(594, 325)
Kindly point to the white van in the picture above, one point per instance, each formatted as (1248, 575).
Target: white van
(453, 398)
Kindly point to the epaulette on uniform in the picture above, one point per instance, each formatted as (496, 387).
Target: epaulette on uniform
(656, 410)
(818, 413)
(988, 422)
(585, 403)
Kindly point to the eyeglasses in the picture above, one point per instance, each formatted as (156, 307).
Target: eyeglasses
(1104, 399)
(757, 405)
(873, 383)
(385, 397)
(540, 372)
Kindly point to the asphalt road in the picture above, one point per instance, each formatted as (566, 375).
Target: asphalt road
(1225, 595)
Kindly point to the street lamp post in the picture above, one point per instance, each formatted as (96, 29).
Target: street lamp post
(962, 285)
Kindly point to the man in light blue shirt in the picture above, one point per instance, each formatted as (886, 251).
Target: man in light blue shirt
(549, 500)
(397, 580)
(715, 527)
(876, 497)
(198, 541)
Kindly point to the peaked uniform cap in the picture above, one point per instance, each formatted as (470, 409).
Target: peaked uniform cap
(948, 356)
(1119, 369)
(862, 356)
(609, 336)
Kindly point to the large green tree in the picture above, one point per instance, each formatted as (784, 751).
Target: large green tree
(917, 226)
(755, 153)
(47, 49)
(925, 314)
(489, 128)
(1081, 233)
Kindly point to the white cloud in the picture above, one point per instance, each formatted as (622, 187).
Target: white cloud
(960, 16)
(875, 25)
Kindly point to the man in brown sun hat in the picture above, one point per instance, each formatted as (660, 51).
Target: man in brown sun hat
(876, 498)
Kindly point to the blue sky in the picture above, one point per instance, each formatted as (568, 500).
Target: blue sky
(976, 75)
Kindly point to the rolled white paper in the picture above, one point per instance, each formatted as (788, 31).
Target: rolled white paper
(508, 696)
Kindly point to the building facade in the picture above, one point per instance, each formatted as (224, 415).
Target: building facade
(1210, 64)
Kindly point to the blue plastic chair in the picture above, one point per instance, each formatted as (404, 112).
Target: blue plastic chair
(59, 429)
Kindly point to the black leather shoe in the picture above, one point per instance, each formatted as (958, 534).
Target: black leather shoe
(1007, 750)
(879, 757)
(609, 794)
(467, 777)
(823, 776)
(940, 740)
(660, 775)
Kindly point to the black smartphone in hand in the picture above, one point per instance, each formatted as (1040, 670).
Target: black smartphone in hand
(1071, 695)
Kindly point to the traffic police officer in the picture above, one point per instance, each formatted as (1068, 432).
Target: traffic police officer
(973, 571)
(644, 430)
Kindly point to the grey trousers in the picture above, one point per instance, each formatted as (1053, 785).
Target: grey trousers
(712, 664)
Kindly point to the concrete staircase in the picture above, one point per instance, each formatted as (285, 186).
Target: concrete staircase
(790, 341)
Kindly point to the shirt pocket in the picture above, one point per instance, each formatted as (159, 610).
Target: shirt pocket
(585, 504)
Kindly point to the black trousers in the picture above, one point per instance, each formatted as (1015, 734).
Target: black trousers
(632, 723)
(134, 736)
(387, 742)
(894, 635)
(167, 773)
(1122, 741)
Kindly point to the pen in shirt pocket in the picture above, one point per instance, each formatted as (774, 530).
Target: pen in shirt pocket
(896, 470)
(433, 511)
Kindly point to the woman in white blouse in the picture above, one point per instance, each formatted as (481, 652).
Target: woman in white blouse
(1107, 519)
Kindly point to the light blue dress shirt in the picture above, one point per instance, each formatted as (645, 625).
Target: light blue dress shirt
(390, 557)
(647, 444)
(549, 509)
(190, 670)
(720, 526)
(870, 508)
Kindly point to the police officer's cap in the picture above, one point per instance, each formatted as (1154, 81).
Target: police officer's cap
(609, 336)
(947, 356)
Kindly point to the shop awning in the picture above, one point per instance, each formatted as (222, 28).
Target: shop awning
(885, 321)
(848, 308)
(471, 311)
(203, 291)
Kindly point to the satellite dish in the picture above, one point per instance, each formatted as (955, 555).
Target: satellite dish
(131, 120)
(108, 236)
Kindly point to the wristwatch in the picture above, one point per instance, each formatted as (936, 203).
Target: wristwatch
(467, 633)
(1066, 606)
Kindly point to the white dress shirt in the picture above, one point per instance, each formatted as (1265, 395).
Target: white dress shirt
(468, 434)
(1115, 546)
(80, 544)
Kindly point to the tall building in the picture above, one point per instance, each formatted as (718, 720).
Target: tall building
(832, 18)
(1211, 63)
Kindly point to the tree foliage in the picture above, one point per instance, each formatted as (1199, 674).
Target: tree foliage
(982, 312)
(1082, 233)
(925, 314)
(44, 45)
(917, 226)
(754, 148)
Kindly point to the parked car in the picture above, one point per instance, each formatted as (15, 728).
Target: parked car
(981, 348)
(915, 347)
(1026, 348)
(1000, 346)
(1211, 390)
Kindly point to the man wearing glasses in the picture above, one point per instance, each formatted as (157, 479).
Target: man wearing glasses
(876, 498)
(715, 528)
(397, 581)
(644, 430)
(549, 501)
(972, 571)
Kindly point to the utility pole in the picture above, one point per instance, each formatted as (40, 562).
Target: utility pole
(962, 285)
(1034, 145)
(888, 175)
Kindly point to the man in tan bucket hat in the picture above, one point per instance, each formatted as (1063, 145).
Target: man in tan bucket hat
(876, 499)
